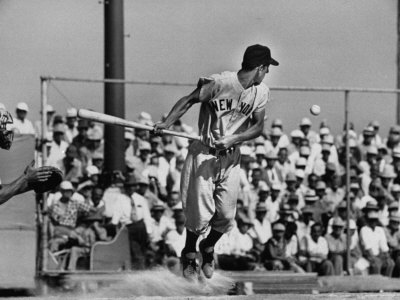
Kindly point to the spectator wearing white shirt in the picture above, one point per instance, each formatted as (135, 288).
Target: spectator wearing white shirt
(375, 247)
(71, 130)
(175, 239)
(21, 124)
(58, 146)
(261, 230)
(314, 252)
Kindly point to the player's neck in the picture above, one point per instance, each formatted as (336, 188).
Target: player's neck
(246, 78)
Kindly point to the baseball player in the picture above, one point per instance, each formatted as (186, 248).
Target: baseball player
(31, 178)
(232, 111)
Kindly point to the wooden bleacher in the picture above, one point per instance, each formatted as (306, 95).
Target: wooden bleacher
(274, 282)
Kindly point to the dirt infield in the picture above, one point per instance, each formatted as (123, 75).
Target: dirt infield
(336, 296)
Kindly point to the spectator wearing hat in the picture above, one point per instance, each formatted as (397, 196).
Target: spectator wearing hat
(274, 255)
(21, 124)
(292, 188)
(89, 231)
(305, 222)
(378, 141)
(273, 202)
(358, 264)
(256, 185)
(85, 190)
(128, 142)
(137, 216)
(274, 142)
(143, 189)
(95, 131)
(58, 146)
(387, 176)
(393, 239)
(81, 139)
(310, 135)
(260, 154)
(312, 200)
(71, 130)
(393, 140)
(367, 139)
(337, 245)
(261, 229)
(283, 164)
(64, 213)
(70, 165)
(296, 137)
(159, 222)
(241, 255)
(375, 247)
(271, 173)
(284, 140)
(314, 250)
(160, 226)
(143, 159)
(92, 174)
(175, 238)
(293, 203)
(334, 192)
(395, 192)
(174, 175)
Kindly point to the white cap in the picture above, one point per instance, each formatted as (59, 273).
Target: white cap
(92, 170)
(66, 185)
(305, 122)
(72, 112)
(129, 136)
(23, 106)
(245, 150)
(2, 106)
(49, 108)
(324, 131)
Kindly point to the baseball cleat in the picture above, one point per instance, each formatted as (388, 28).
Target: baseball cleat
(190, 267)
(208, 263)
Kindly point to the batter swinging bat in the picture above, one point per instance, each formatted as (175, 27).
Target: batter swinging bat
(112, 120)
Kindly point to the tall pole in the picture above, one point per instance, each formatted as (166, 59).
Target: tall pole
(398, 62)
(347, 186)
(114, 93)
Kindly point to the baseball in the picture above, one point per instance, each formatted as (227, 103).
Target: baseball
(315, 110)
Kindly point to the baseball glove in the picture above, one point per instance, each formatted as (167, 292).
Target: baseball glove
(52, 181)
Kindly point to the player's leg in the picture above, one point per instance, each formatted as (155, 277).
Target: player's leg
(225, 198)
(198, 205)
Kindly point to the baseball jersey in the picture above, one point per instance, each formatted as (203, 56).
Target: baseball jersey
(227, 107)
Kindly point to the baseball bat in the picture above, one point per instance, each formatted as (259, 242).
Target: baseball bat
(112, 120)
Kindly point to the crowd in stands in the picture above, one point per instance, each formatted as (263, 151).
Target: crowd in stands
(291, 211)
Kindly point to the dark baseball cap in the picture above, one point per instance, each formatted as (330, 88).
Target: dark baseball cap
(257, 55)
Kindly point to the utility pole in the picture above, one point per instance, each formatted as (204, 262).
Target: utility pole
(114, 93)
(398, 62)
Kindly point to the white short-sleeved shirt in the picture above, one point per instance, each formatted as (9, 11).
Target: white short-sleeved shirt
(226, 106)
(374, 240)
(315, 250)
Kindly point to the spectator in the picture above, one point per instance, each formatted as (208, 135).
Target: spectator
(261, 229)
(310, 135)
(271, 173)
(375, 247)
(274, 256)
(274, 202)
(239, 255)
(71, 130)
(337, 245)
(64, 215)
(393, 238)
(81, 139)
(175, 239)
(305, 222)
(70, 165)
(21, 124)
(314, 252)
(58, 146)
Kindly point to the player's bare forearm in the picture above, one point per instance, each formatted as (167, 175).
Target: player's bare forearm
(18, 186)
(180, 108)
